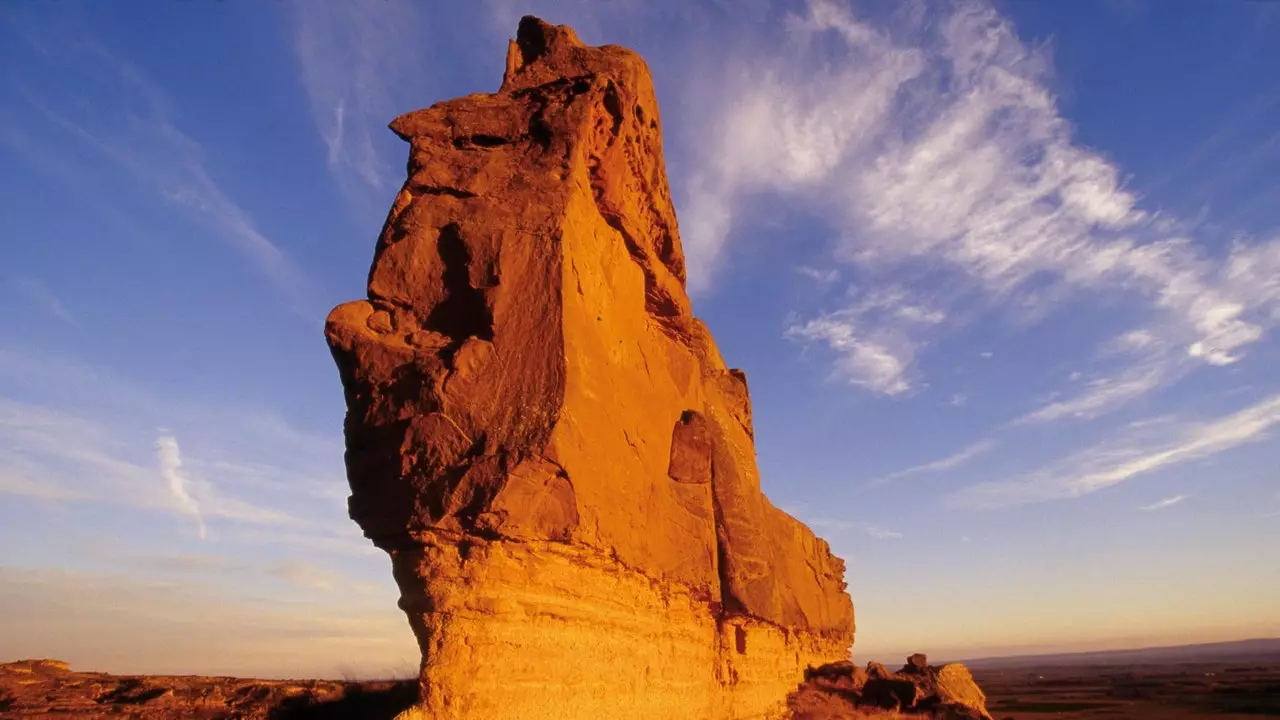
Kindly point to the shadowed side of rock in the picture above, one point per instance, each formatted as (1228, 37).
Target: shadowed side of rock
(543, 437)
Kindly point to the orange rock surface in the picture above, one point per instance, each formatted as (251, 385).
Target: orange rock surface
(844, 691)
(543, 437)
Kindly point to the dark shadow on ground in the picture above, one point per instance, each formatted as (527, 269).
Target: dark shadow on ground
(362, 701)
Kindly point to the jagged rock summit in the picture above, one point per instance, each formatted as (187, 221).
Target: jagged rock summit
(543, 437)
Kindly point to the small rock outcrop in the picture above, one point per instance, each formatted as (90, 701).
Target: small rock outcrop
(918, 690)
(546, 441)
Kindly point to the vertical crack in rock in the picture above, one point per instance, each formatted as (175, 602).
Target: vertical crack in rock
(690, 450)
(544, 438)
(462, 313)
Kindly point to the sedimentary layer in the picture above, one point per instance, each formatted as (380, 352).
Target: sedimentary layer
(545, 439)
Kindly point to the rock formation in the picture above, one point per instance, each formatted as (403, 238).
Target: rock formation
(842, 690)
(543, 437)
(50, 689)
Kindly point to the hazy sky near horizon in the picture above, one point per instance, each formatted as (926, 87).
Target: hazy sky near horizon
(1004, 278)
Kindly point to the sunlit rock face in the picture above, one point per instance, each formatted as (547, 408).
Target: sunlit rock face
(543, 437)
(844, 691)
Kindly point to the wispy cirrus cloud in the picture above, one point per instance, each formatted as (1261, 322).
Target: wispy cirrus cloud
(256, 482)
(134, 125)
(829, 524)
(41, 294)
(1101, 395)
(56, 454)
(870, 338)
(877, 362)
(356, 60)
(170, 458)
(821, 278)
(1143, 449)
(950, 462)
(1165, 503)
(881, 533)
(939, 153)
(249, 448)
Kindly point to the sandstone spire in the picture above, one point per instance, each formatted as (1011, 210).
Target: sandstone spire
(543, 437)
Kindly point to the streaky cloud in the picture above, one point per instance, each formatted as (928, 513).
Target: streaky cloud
(1165, 503)
(1136, 453)
(950, 462)
(352, 56)
(170, 458)
(938, 151)
(41, 294)
(137, 131)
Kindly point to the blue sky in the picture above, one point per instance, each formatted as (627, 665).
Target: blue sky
(1004, 278)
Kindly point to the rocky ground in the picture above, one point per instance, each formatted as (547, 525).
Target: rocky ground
(1187, 691)
(919, 690)
(49, 689)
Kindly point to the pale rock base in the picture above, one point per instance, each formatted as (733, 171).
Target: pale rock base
(542, 630)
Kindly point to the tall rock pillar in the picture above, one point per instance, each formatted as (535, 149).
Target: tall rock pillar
(543, 437)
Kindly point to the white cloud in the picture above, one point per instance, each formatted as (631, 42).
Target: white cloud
(937, 149)
(871, 337)
(1132, 341)
(260, 482)
(58, 455)
(356, 58)
(1147, 361)
(787, 127)
(823, 278)
(1100, 396)
(830, 524)
(242, 449)
(1162, 504)
(41, 294)
(950, 462)
(1140, 451)
(136, 130)
(170, 458)
(876, 363)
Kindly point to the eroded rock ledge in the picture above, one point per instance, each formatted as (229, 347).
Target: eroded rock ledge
(543, 437)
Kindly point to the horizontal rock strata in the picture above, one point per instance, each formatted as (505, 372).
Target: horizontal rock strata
(543, 437)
